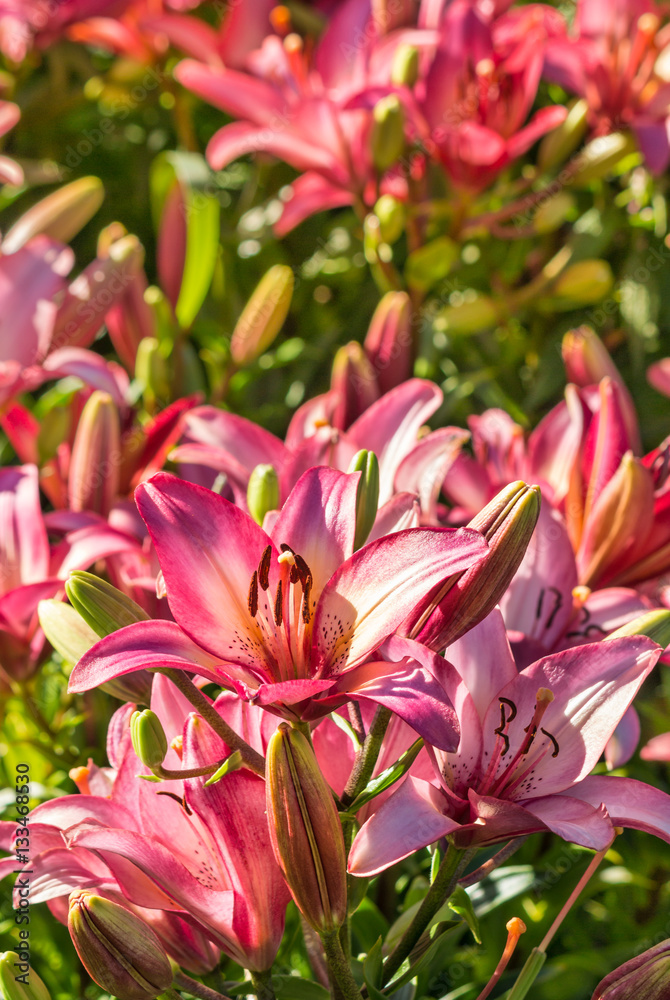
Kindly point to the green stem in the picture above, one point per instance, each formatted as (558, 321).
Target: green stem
(498, 859)
(528, 975)
(338, 967)
(453, 864)
(197, 989)
(170, 995)
(252, 759)
(366, 758)
(262, 984)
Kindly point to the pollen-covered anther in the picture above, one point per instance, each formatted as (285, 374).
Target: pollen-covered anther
(252, 600)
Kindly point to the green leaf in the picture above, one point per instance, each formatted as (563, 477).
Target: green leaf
(460, 903)
(499, 887)
(295, 988)
(232, 763)
(372, 970)
(367, 924)
(387, 777)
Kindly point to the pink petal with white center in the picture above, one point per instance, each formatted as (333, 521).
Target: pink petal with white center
(308, 418)
(84, 546)
(370, 596)
(484, 660)
(318, 522)
(310, 193)
(149, 645)
(573, 820)
(623, 742)
(390, 427)
(91, 369)
(291, 692)
(630, 803)
(410, 819)
(424, 469)
(400, 512)
(325, 447)
(60, 871)
(604, 611)
(208, 550)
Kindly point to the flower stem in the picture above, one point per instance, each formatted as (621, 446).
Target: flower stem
(197, 989)
(252, 759)
(453, 864)
(338, 967)
(498, 859)
(262, 984)
(366, 758)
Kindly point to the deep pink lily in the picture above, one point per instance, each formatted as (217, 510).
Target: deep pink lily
(616, 57)
(291, 619)
(529, 741)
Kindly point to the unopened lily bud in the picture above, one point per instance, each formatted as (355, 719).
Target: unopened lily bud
(480, 313)
(391, 215)
(151, 371)
(148, 738)
(93, 480)
(263, 316)
(388, 132)
(118, 950)
(586, 358)
(647, 975)
(354, 384)
(601, 155)
(388, 343)
(18, 981)
(104, 608)
(305, 830)
(507, 523)
(367, 495)
(405, 68)
(262, 492)
(553, 212)
(654, 624)
(431, 263)
(66, 630)
(60, 215)
(562, 141)
(583, 283)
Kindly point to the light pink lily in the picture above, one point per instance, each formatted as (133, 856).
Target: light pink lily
(617, 57)
(529, 741)
(291, 619)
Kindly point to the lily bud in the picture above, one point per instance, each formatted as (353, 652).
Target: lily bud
(93, 481)
(148, 738)
(262, 492)
(151, 371)
(654, 624)
(66, 630)
(582, 283)
(431, 263)
(601, 155)
(507, 523)
(104, 608)
(388, 132)
(18, 981)
(562, 141)
(647, 975)
(553, 212)
(263, 316)
(354, 384)
(586, 358)
(391, 215)
(468, 317)
(118, 950)
(60, 215)
(305, 830)
(405, 68)
(367, 495)
(388, 342)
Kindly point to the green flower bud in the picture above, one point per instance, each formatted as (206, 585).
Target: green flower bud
(151, 371)
(645, 976)
(654, 624)
(551, 214)
(119, 951)
(18, 981)
(388, 132)
(561, 142)
(60, 215)
(305, 830)
(391, 215)
(367, 495)
(583, 283)
(602, 155)
(431, 263)
(262, 492)
(66, 630)
(148, 737)
(263, 316)
(468, 317)
(104, 608)
(405, 68)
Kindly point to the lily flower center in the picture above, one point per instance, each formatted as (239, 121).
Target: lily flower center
(516, 770)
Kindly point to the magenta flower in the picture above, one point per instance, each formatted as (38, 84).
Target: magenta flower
(529, 741)
(616, 57)
(291, 618)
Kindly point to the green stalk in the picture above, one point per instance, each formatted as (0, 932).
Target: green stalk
(197, 989)
(366, 758)
(338, 967)
(262, 984)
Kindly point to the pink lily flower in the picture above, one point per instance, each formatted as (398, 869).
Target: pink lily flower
(529, 741)
(305, 616)
(24, 23)
(480, 89)
(617, 58)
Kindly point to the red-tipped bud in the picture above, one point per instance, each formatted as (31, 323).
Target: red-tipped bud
(305, 830)
(354, 384)
(93, 482)
(388, 343)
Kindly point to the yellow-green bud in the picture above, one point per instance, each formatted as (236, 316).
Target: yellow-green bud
(405, 67)
(551, 214)
(66, 630)
(561, 142)
(18, 981)
(151, 370)
(305, 830)
(388, 132)
(601, 155)
(391, 215)
(263, 316)
(469, 317)
(118, 950)
(367, 495)
(148, 738)
(60, 215)
(104, 608)
(654, 624)
(583, 283)
(431, 263)
(262, 492)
